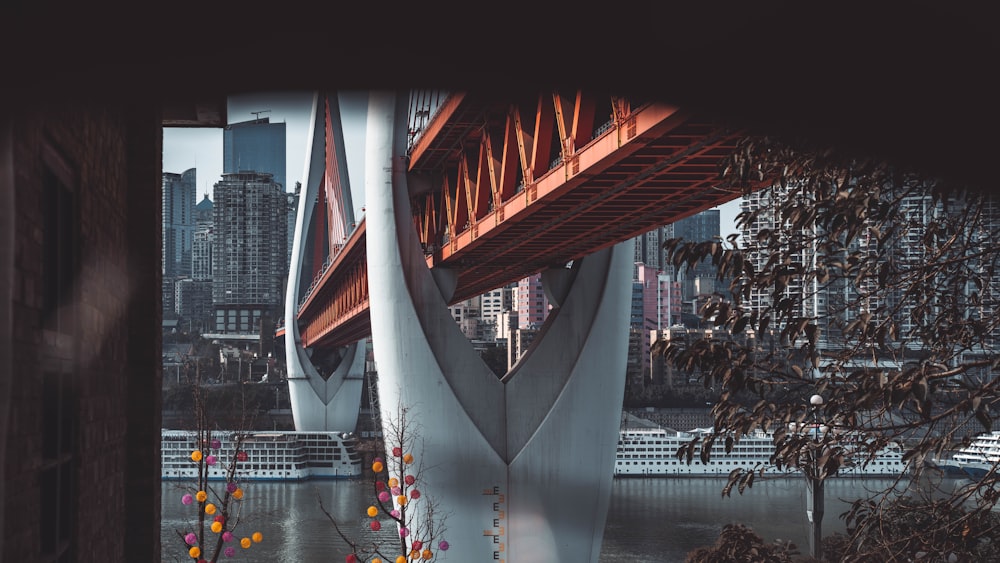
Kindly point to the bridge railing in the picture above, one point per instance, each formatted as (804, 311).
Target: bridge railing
(423, 105)
(315, 281)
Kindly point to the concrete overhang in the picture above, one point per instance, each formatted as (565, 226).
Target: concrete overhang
(201, 112)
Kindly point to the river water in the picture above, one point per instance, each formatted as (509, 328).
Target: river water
(650, 520)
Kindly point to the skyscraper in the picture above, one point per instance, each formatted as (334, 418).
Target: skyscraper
(203, 212)
(194, 296)
(257, 145)
(201, 247)
(249, 262)
(695, 282)
(694, 228)
(250, 254)
(178, 222)
(698, 281)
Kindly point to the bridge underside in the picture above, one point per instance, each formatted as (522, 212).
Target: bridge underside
(503, 190)
(506, 191)
(475, 203)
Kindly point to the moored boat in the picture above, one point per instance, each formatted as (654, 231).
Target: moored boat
(977, 459)
(262, 456)
(946, 467)
(648, 450)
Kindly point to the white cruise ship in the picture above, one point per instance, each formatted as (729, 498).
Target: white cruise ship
(980, 456)
(652, 451)
(270, 456)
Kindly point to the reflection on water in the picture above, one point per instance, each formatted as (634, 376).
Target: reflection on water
(290, 517)
(650, 520)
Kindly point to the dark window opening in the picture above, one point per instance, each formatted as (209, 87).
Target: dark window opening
(59, 420)
(57, 479)
(59, 246)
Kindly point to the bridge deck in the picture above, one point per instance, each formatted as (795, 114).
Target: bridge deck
(655, 165)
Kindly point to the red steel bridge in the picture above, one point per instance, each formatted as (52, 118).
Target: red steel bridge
(502, 189)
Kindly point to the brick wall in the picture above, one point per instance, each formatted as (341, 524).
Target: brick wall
(106, 353)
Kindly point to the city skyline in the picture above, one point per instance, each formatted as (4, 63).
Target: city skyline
(201, 149)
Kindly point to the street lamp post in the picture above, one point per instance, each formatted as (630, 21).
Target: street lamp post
(814, 485)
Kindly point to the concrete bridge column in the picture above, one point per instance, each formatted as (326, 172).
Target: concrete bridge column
(520, 467)
(318, 402)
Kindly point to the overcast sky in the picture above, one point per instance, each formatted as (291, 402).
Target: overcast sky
(201, 148)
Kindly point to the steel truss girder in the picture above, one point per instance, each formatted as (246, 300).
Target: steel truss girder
(490, 204)
(500, 208)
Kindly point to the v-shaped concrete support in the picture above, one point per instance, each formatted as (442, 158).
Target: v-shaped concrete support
(318, 403)
(522, 466)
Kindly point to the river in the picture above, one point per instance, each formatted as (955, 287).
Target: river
(650, 520)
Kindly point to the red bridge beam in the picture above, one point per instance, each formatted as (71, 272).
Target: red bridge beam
(497, 212)
(336, 313)
(489, 202)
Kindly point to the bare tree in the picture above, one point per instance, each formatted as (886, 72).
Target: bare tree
(216, 511)
(418, 519)
(877, 290)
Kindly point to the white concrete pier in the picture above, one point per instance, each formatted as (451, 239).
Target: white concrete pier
(521, 466)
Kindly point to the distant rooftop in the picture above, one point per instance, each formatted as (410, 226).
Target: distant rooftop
(205, 204)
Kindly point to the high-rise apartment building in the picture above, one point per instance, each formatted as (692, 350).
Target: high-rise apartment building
(532, 305)
(178, 217)
(201, 246)
(697, 227)
(661, 297)
(656, 305)
(481, 317)
(466, 315)
(909, 251)
(811, 301)
(696, 283)
(257, 145)
(193, 297)
(492, 306)
(530, 309)
(840, 301)
(989, 305)
(649, 248)
(193, 304)
(250, 254)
